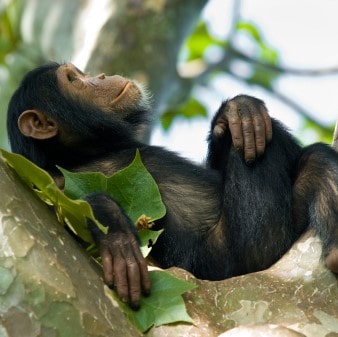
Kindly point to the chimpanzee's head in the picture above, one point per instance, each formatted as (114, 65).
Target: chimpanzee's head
(59, 108)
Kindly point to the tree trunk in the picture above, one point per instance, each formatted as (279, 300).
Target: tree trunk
(48, 285)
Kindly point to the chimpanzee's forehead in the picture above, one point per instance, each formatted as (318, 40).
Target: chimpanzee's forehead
(72, 66)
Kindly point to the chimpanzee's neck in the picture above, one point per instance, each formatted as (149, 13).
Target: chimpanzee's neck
(77, 155)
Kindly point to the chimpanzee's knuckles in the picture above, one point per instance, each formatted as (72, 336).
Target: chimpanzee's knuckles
(120, 247)
(247, 105)
(231, 110)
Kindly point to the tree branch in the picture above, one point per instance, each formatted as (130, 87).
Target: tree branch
(335, 137)
(293, 105)
(281, 69)
(224, 65)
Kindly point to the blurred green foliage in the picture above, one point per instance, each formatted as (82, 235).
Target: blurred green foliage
(10, 14)
(16, 58)
(190, 109)
(197, 43)
(265, 53)
(263, 72)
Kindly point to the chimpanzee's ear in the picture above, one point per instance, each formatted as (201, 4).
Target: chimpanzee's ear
(35, 124)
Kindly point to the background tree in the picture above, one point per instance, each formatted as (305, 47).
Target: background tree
(167, 44)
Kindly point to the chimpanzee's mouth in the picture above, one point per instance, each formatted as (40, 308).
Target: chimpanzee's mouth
(122, 92)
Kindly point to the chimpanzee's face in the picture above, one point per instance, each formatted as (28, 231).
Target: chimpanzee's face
(108, 93)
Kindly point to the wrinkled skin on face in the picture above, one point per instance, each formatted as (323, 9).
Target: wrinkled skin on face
(108, 93)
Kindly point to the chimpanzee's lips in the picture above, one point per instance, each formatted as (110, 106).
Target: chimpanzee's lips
(122, 92)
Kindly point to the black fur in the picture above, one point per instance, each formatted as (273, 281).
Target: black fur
(222, 220)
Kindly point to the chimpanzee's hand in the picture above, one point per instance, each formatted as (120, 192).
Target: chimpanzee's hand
(249, 123)
(124, 267)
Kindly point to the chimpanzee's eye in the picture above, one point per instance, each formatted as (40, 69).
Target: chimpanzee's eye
(71, 77)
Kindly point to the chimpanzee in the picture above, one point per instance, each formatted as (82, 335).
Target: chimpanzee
(240, 213)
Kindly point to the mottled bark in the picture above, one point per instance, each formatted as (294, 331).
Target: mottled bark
(48, 284)
(50, 287)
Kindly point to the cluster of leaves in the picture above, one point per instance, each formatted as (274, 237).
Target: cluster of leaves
(137, 193)
(191, 109)
(72, 212)
(15, 57)
(199, 41)
(196, 49)
(133, 188)
(9, 27)
(266, 55)
(262, 63)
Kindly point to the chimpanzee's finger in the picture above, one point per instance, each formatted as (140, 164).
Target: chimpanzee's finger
(249, 140)
(107, 266)
(219, 128)
(121, 278)
(259, 134)
(142, 263)
(268, 123)
(221, 123)
(133, 276)
(134, 282)
(235, 125)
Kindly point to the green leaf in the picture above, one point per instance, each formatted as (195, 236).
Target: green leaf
(72, 212)
(323, 133)
(199, 41)
(165, 305)
(190, 109)
(262, 76)
(266, 53)
(251, 29)
(136, 191)
(79, 184)
(147, 239)
(133, 188)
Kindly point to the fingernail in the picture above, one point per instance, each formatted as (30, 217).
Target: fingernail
(146, 293)
(135, 306)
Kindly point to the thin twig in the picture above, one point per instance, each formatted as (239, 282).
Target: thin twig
(282, 69)
(335, 137)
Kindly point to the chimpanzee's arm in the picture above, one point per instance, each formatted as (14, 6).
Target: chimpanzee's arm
(123, 264)
(257, 198)
(315, 198)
